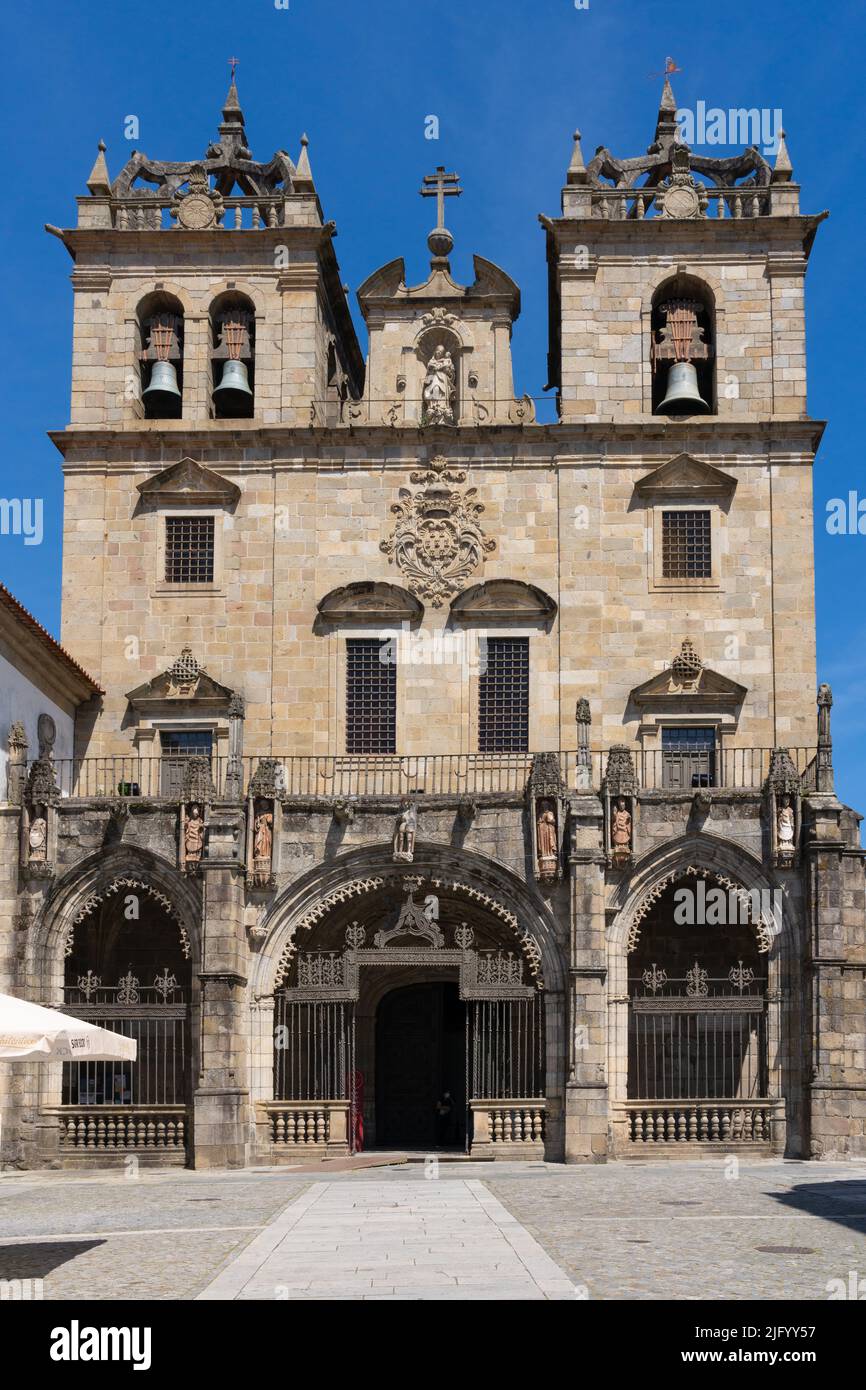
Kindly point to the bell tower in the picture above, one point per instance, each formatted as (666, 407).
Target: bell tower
(676, 284)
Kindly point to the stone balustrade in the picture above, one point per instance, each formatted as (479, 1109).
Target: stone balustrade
(508, 1128)
(726, 1123)
(157, 1130)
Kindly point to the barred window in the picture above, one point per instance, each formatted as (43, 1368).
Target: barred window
(503, 696)
(686, 545)
(371, 696)
(189, 549)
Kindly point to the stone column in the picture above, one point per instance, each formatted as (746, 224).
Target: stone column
(221, 1100)
(586, 1090)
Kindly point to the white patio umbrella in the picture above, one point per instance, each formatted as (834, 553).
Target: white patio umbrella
(29, 1030)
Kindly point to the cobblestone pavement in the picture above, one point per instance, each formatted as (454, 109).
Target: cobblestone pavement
(687, 1231)
(642, 1230)
(109, 1237)
(393, 1240)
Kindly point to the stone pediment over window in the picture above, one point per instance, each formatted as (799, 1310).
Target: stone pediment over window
(369, 602)
(503, 601)
(687, 679)
(685, 476)
(185, 679)
(189, 483)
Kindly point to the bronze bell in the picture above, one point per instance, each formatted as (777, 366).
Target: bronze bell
(683, 396)
(233, 395)
(161, 394)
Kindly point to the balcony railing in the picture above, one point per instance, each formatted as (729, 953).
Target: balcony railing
(438, 774)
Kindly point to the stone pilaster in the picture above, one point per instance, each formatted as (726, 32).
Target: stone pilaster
(586, 1091)
(221, 1100)
(834, 873)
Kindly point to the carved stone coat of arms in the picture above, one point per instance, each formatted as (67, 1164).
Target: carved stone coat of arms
(437, 542)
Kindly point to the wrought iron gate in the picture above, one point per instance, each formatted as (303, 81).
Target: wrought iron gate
(697, 1037)
(505, 1062)
(314, 1062)
(123, 1105)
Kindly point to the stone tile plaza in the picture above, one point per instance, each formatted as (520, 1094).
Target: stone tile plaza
(443, 801)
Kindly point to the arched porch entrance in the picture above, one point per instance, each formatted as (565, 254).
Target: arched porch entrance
(414, 1020)
(696, 1059)
(115, 949)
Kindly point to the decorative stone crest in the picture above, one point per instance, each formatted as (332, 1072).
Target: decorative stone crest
(183, 675)
(201, 206)
(681, 195)
(438, 541)
(414, 920)
(686, 668)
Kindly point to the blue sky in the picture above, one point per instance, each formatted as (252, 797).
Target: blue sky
(509, 82)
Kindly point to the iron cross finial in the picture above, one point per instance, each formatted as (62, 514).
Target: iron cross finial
(440, 186)
(233, 62)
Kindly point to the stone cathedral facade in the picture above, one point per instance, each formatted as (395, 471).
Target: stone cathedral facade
(457, 781)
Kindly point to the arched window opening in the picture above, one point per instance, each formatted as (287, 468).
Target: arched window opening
(233, 358)
(697, 988)
(160, 357)
(128, 973)
(683, 348)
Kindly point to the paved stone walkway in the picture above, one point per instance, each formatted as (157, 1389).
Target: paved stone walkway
(393, 1240)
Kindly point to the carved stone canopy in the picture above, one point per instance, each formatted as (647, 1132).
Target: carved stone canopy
(620, 778)
(268, 780)
(188, 483)
(197, 780)
(687, 677)
(185, 679)
(545, 777)
(502, 601)
(369, 602)
(783, 778)
(686, 477)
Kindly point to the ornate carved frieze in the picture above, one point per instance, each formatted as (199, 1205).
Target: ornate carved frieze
(437, 542)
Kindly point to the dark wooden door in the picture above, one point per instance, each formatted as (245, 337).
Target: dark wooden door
(420, 1055)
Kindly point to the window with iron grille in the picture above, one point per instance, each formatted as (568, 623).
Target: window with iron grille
(176, 746)
(503, 696)
(686, 545)
(688, 758)
(371, 697)
(189, 549)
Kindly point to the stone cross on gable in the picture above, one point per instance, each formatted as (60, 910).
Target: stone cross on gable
(440, 186)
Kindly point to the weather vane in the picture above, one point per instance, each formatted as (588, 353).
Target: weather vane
(233, 62)
(669, 69)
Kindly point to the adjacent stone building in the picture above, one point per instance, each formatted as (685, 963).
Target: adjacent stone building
(456, 780)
